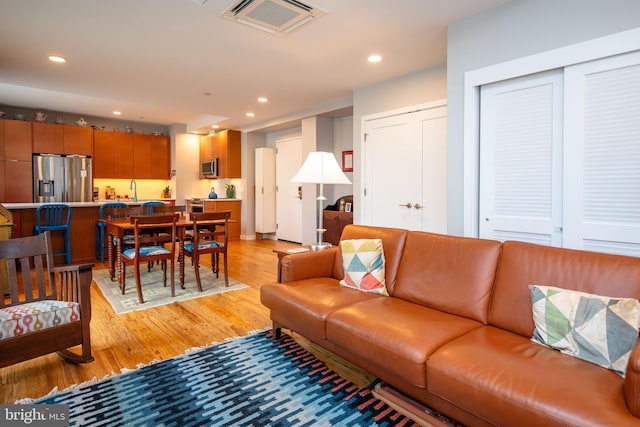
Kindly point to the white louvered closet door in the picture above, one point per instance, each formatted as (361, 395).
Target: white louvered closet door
(521, 159)
(602, 154)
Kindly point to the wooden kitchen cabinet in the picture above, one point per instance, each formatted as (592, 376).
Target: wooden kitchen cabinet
(104, 155)
(1, 141)
(151, 157)
(217, 205)
(51, 138)
(78, 140)
(112, 155)
(18, 181)
(123, 143)
(16, 164)
(17, 140)
(226, 147)
(47, 138)
(160, 157)
(142, 156)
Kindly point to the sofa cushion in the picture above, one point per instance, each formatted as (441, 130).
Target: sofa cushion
(395, 335)
(523, 264)
(35, 316)
(598, 329)
(448, 273)
(305, 304)
(508, 380)
(363, 261)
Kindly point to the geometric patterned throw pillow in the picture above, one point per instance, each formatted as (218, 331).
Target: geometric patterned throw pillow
(363, 261)
(600, 330)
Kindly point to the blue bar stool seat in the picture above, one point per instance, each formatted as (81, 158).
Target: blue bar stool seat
(101, 226)
(56, 217)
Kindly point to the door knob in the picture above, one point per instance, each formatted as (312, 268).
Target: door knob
(418, 206)
(407, 205)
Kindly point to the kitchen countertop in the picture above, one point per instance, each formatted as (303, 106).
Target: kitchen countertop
(215, 200)
(79, 204)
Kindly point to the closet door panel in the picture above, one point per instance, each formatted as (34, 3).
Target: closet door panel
(521, 160)
(602, 155)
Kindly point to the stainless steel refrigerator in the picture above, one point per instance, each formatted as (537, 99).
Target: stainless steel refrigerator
(59, 178)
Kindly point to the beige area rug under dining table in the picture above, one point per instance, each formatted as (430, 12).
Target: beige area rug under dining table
(154, 293)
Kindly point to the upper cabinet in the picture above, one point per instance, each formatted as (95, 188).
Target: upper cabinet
(78, 140)
(17, 140)
(15, 166)
(226, 147)
(151, 157)
(48, 138)
(62, 139)
(127, 155)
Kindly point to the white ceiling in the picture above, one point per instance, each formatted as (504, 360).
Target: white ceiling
(154, 59)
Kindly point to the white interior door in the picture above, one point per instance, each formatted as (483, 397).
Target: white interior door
(393, 172)
(405, 170)
(288, 195)
(521, 160)
(602, 151)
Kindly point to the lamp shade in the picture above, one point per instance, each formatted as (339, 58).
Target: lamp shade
(320, 168)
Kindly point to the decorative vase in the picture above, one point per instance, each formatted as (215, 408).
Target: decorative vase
(231, 193)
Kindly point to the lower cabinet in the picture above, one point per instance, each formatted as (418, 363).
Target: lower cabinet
(218, 205)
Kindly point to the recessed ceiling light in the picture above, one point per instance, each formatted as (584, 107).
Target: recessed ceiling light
(58, 59)
(250, 114)
(262, 99)
(374, 58)
(215, 126)
(117, 113)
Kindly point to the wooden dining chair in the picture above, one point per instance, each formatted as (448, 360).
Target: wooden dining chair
(210, 239)
(154, 240)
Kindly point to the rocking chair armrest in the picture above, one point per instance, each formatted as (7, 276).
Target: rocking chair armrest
(75, 285)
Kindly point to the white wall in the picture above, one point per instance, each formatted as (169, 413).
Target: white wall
(512, 31)
(342, 141)
(417, 88)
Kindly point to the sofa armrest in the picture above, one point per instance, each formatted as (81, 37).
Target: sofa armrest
(309, 265)
(632, 382)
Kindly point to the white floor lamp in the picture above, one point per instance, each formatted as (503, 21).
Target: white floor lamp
(320, 168)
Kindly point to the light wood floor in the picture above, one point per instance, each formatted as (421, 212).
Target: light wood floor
(127, 340)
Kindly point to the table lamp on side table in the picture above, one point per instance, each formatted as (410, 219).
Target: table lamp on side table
(320, 168)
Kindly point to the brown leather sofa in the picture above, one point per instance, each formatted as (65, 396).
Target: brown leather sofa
(455, 332)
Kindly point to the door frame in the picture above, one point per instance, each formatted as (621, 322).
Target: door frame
(615, 44)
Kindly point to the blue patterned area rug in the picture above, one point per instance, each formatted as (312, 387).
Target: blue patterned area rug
(248, 381)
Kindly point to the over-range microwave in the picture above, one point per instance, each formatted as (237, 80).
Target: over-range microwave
(209, 168)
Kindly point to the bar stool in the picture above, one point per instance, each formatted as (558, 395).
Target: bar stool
(57, 217)
(101, 226)
(147, 207)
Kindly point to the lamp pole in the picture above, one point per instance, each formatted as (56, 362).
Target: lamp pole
(320, 230)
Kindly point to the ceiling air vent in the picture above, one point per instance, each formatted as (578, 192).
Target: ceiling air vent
(274, 16)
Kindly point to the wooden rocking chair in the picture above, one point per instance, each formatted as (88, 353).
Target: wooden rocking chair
(48, 308)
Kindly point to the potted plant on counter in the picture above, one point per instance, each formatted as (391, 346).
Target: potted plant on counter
(166, 192)
(231, 190)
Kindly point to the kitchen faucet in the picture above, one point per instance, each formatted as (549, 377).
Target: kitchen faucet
(134, 186)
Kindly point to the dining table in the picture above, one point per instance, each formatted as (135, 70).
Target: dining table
(121, 227)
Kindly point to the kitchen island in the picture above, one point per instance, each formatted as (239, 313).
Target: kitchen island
(84, 218)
